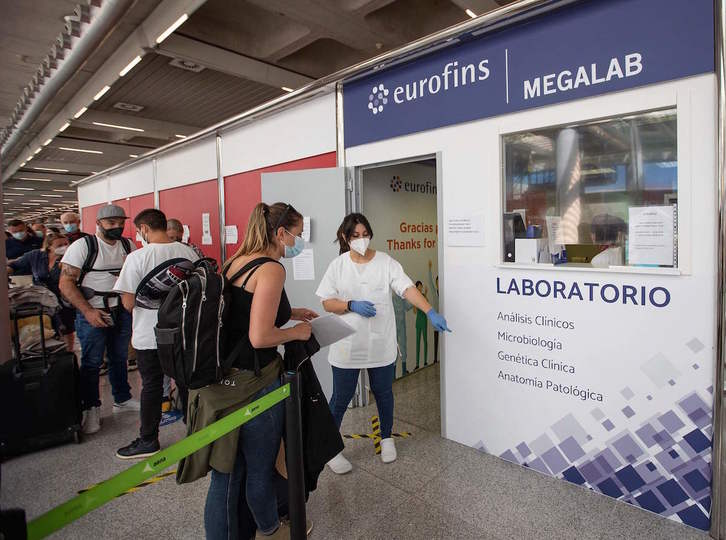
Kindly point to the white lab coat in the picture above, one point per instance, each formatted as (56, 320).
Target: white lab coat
(374, 343)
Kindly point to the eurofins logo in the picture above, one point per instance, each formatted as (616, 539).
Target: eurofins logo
(396, 184)
(377, 99)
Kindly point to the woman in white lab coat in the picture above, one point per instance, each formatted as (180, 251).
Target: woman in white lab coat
(357, 285)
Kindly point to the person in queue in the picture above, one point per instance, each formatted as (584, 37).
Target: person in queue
(259, 308)
(357, 285)
(44, 265)
(20, 240)
(72, 225)
(175, 231)
(158, 248)
(102, 324)
(39, 229)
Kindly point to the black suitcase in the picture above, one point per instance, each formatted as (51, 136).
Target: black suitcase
(39, 395)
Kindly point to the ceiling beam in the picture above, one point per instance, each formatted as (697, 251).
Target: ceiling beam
(154, 129)
(231, 63)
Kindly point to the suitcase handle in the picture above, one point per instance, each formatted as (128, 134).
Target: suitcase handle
(24, 311)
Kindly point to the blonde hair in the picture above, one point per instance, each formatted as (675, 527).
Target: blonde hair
(262, 227)
(50, 238)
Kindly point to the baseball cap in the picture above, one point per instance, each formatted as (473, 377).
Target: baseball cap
(111, 211)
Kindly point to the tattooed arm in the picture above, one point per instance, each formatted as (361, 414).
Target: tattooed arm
(69, 289)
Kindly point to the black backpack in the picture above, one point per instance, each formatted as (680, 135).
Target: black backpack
(92, 244)
(189, 329)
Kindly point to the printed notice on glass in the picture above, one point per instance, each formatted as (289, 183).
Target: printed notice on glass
(303, 266)
(465, 231)
(651, 235)
(230, 234)
(554, 233)
(185, 234)
(206, 231)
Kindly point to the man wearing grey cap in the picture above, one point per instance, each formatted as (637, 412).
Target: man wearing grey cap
(90, 268)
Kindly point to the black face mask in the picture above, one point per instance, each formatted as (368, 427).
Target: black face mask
(115, 233)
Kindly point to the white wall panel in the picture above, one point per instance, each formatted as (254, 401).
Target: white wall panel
(302, 131)
(95, 192)
(196, 162)
(132, 181)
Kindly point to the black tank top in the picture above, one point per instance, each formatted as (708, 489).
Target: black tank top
(238, 325)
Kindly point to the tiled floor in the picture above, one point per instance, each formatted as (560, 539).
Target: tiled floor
(436, 489)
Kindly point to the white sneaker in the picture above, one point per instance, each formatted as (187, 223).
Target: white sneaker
(340, 465)
(91, 422)
(388, 450)
(128, 405)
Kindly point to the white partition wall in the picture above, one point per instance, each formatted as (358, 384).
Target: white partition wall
(136, 179)
(192, 163)
(304, 130)
(95, 192)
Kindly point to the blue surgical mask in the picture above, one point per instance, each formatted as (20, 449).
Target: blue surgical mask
(19, 235)
(71, 227)
(39, 234)
(295, 250)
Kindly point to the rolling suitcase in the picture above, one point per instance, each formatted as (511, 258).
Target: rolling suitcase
(39, 394)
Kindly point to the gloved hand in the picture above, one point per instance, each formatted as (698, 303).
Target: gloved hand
(363, 308)
(437, 321)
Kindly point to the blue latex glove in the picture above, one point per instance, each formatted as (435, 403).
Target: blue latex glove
(363, 308)
(437, 321)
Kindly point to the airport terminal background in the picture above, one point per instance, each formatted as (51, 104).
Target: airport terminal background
(550, 175)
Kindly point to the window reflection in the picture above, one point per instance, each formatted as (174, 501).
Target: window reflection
(588, 178)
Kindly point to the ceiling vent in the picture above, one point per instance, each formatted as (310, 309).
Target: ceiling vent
(129, 107)
(186, 65)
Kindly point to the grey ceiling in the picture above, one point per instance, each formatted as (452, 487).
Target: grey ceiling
(306, 39)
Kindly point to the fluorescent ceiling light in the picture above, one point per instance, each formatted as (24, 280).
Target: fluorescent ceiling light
(46, 143)
(181, 20)
(51, 195)
(471, 14)
(286, 89)
(180, 136)
(131, 65)
(65, 190)
(29, 158)
(80, 150)
(101, 92)
(23, 188)
(23, 163)
(37, 150)
(133, 155)
(116, 126)
(94, 172)
(34, 179)
(38, 200)
(49, 169)
(14, 194)
(80, 113)
(64, 126)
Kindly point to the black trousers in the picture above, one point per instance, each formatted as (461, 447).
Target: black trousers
(152, 390)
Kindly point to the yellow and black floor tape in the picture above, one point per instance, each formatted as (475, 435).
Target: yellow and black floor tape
(376, 434)
(152, 480)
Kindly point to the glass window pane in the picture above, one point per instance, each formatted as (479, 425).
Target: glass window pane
(578, 193)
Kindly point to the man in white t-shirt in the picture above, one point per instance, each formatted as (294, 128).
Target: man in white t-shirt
(89, 270)
(158, 249)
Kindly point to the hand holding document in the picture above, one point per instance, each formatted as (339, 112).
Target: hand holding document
(330, 328)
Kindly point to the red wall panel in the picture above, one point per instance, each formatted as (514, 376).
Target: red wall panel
(88, 218)
(187, 204)
(132, 206)
(243, 191)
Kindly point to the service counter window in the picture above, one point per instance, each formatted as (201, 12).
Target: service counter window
(597, 194)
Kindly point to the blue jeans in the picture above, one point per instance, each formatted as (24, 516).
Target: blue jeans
(344, 382)
(259, 443)
(114, 340)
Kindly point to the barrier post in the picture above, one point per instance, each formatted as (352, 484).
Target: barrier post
(294, 456)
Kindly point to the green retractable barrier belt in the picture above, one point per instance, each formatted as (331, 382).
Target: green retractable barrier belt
(71, 510)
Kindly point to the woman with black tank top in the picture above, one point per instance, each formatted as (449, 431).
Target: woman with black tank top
(259, 308)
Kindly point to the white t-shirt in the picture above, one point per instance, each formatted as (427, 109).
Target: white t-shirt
(374, 343)
(109, 257)
(138, 265)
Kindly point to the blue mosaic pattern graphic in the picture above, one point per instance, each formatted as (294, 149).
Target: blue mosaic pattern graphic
(663, 466)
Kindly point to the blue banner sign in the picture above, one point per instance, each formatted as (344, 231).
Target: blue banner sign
(581, 50)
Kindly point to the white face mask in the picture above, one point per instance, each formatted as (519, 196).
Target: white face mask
(60, 250)
(360, 245)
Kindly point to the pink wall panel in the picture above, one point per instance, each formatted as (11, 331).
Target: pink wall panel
(187, 204)
(132, 206)
(243, 191)
(88, 218)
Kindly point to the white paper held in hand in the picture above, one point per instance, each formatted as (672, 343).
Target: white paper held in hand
(330, 328)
